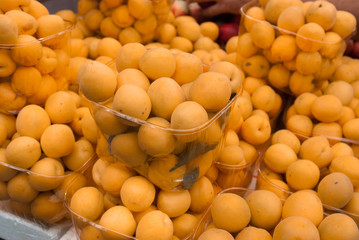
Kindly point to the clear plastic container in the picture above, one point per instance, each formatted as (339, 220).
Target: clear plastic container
(274, 56)
(206, 220)
(84, 226)
(195, 152)
(115, 16)
(265, 179)
(45, 59)
(43, 204)
(230, 176)
(234, 176)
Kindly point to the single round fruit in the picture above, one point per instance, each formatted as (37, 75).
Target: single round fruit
(97, 81)
(304, 203)
(296, 228)
(338, 226)
(87, 202)
(302, 174)
(155, 225)
(230, 212)
(174, 203)
(138, 107)
(157, 62)
(215, 233)
(212, 90)
(118, 219)
(253, 233)
(23, 152)
(335, 189)
(137, 193)
(32, 120)
(279, 156)
(57, 140)
(165, 94)
(46, 174)
(266, 209)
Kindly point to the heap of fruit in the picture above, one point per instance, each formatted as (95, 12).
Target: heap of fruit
(124, 204)
(34, 53)
(334, 114)
(43, 151)
(242, 214)
(178, 115)
(163, 98)
(294, 46)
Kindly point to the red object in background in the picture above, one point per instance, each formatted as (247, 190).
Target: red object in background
(349, 47)
(355, 50)
(228, 30)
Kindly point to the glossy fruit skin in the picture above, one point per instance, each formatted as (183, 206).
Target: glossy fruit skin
(228, 30)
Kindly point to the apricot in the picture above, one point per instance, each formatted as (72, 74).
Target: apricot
(82, 152)
(114, 176)
(322, 12)
(20, 190)
(202, 194)
(302, 174)
(157, 62)
(183, 225)
(209, 29)
(23, 152)
(129, 35)
(46, 174)
(93, 74)
(229, 206)
(335, 189)
(8, 29)
(155, 224)
(30, 51)
(182, 43)
(120, 220)
(318, 150)
(215, 233)
(154, 138)
(6, 173)
(109, 47)
(55, 134)
(165, 88)
(187, 115)
(212, 90)
(161, 175)
(347, 229)
(188, 68)
(140, 9)
(139, 107)
(26, 23)
(87, 202)
(304, 203)
(295, 227)
(50, 25)
(122, 17)
(253, 233)
(137, 193)
(60, 107)
(47, 87)
(256, 129)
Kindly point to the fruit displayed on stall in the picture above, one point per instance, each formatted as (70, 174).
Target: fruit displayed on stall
(33, 44)
(41, 155)
(270, 217)
(175, 111)
(306, 49)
